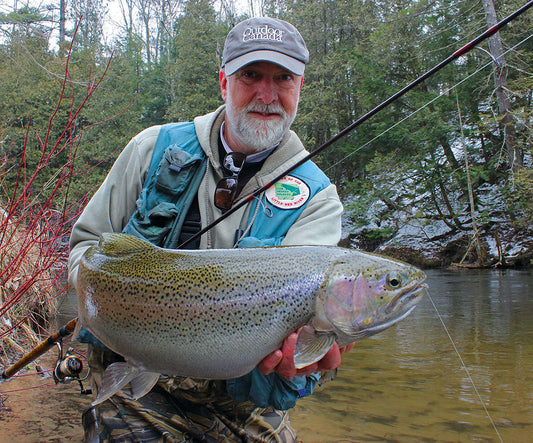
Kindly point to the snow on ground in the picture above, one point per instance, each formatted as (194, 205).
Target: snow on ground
(414, 232)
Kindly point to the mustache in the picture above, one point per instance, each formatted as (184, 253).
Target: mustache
(266, 109)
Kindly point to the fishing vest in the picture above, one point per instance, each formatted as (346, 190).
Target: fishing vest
(176, 169)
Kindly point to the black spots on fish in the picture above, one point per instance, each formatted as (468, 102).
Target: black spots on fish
(226, 290)
(370, 273)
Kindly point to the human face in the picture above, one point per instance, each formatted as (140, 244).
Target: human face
(261, 104)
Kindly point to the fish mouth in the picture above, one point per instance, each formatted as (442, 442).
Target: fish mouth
(398, 309)
(407, 300)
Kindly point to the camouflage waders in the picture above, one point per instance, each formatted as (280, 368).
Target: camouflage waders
(180, 409)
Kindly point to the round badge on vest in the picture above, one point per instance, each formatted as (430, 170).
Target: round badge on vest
(288, 193)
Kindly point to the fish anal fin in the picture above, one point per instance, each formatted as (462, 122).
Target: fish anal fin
(116, 376)
(142, 384)
(311, 346)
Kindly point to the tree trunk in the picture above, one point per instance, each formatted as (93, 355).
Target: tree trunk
(145, 13)
(62, 6)
(127, 14)
(475, 236)
(514, 153)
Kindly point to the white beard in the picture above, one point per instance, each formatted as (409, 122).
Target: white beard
(257, 135)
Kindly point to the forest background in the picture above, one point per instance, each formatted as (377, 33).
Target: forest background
(443, 175)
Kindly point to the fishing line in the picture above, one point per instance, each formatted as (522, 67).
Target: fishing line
(27, 389)
(457, 54)
(464, 367)
(424, 106)
(45, 371)
(429, 295)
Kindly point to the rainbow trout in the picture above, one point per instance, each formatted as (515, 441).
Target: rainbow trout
(215, 314)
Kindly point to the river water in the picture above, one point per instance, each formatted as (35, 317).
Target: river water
(419, 381)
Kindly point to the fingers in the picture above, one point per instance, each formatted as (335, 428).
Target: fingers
(308, 370)
(269, 363)
(347, 348)
(331, 360)
(286, 367)
(282, 360)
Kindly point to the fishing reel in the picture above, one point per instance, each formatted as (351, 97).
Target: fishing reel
(68, 368)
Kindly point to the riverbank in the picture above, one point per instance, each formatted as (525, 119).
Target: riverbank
(498, 243)
(33, 408)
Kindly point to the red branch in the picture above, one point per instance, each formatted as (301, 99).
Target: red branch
(34, 226)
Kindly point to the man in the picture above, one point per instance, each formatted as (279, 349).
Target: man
(172, 180)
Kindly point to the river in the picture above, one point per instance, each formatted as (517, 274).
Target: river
(419, 381)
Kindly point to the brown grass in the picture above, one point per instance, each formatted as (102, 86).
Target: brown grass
(26, 307)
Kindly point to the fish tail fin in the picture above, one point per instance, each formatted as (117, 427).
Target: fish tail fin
(77, 328)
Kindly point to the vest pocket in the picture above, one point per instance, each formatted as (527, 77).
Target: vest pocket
(175, 170)
(161, 202)
(155, 224)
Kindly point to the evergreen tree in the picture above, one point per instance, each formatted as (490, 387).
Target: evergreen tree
(193, 73)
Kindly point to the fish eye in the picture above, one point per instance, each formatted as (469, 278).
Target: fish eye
(394, 280)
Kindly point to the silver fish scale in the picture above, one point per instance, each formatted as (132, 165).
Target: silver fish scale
(208, 314)
(216, 313)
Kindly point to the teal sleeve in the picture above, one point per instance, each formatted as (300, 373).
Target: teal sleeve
(271, 390)
(86, 337)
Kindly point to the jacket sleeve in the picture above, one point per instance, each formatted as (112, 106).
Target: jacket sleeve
(271, 390)
(114, 202)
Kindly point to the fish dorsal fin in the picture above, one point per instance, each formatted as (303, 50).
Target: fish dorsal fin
(121, 244)
(116, 376)
(311, 346)
(141, 385)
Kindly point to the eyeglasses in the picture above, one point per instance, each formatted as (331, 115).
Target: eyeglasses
(226, 189)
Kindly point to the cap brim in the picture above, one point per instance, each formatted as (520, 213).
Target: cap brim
(286, 61)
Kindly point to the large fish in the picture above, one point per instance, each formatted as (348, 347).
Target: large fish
(215, 314)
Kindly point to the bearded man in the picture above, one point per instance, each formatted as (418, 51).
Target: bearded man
(171, 181)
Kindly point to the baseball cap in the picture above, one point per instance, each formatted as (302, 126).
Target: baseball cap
(264, 39)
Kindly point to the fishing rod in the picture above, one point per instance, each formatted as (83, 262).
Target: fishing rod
(67, 368)
(465, 49)
(40, 349)
(69, 327)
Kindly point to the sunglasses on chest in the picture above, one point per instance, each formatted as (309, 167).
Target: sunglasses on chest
(226, 189)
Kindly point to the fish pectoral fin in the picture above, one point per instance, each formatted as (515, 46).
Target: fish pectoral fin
(142, 384)
(311, 346)
(116, 376)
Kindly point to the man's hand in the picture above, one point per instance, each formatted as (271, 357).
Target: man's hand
(282, 360)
